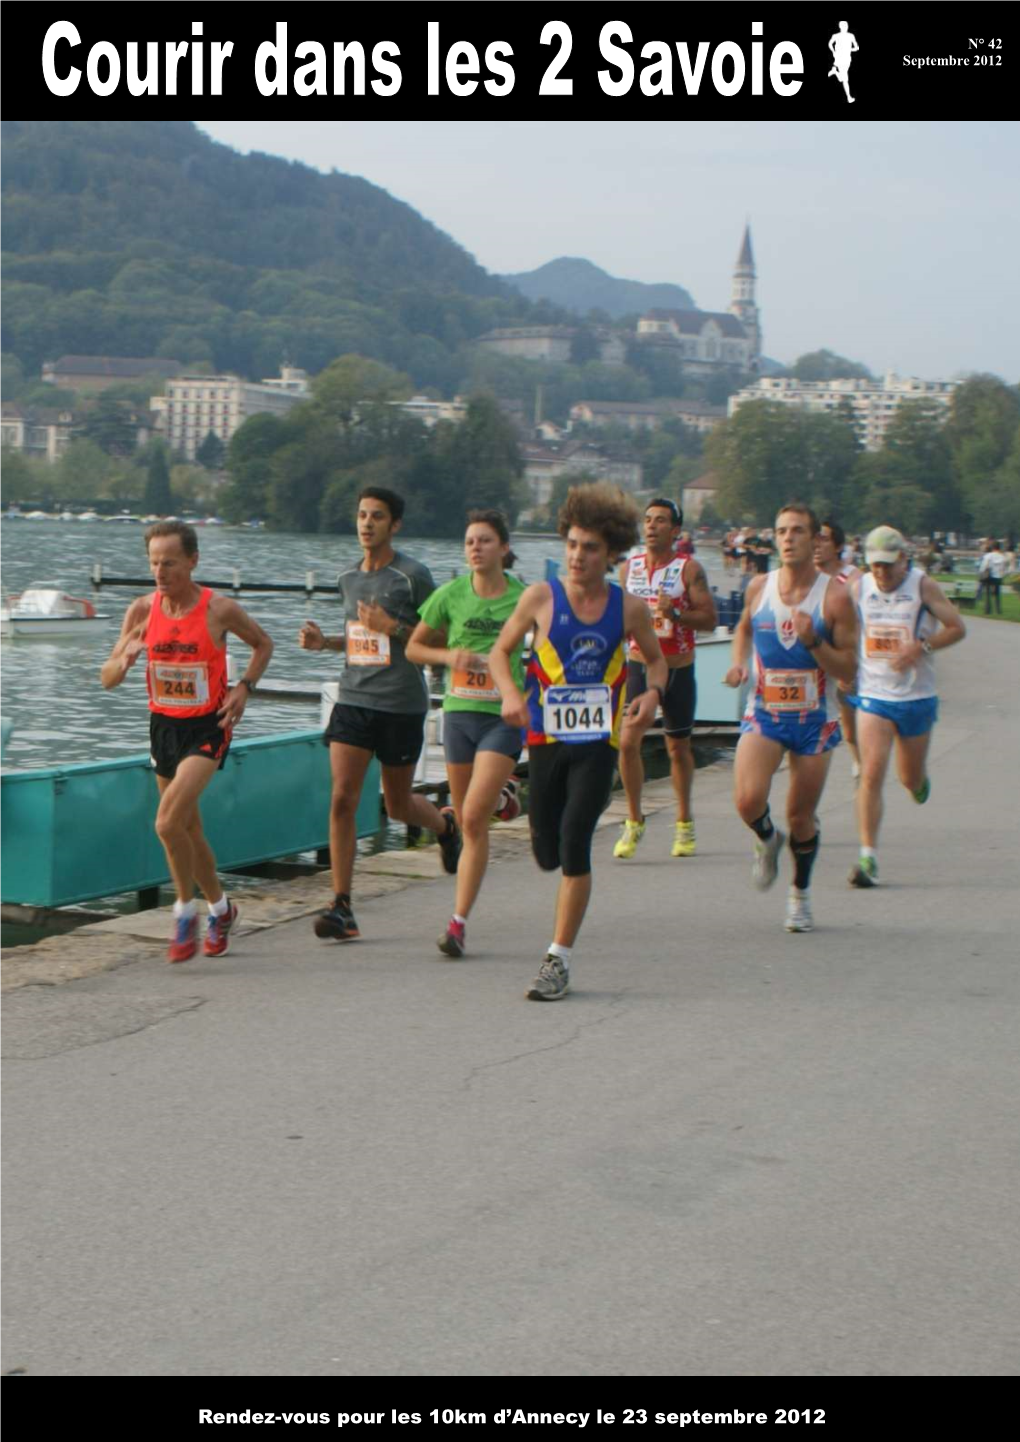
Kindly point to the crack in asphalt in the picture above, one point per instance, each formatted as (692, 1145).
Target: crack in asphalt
(555, 1046)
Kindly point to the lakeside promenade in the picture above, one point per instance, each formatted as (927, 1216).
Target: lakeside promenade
(730, 1151)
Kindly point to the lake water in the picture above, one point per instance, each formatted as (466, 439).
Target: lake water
(51, 689)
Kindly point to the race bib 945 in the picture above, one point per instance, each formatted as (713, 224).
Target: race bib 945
(365, 647)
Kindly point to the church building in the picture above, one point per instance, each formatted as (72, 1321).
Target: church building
(705, 340)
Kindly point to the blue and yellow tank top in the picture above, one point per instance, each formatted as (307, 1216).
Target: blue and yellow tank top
(577, 676)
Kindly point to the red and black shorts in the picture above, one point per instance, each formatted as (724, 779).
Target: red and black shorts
(173, 738)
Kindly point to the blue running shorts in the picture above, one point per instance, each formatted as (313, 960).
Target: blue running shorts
(911, 718)
(804, 738)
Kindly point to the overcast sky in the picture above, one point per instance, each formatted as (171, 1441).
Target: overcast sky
(895, 245)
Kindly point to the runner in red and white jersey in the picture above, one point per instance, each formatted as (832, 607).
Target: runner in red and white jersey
(182, 627)
(676, 592)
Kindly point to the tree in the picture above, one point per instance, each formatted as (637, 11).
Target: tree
(212, 453)
(249, 465)
(157, 497)
(25, 479)
(767, 453)
(825, 365)
(112, 424)
(484, 462)
(352, 380)
(889, 494)
(995, 506)
(584, 347)
(84, 472)
(917, 453)
(981, 432)
(12, 377)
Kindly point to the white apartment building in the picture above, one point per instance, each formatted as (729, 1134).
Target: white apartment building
(872, 403)
(196, 404)
(647, 415)
(431, 412)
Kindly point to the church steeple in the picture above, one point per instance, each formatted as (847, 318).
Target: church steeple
(742, 302)
(745, 260)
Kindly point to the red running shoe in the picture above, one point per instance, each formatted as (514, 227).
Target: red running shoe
(184, 940)
(217, 936)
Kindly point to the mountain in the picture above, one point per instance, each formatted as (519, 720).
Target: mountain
(580, 286)
(145, 238)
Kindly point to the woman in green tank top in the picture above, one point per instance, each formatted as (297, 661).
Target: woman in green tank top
(459, 625)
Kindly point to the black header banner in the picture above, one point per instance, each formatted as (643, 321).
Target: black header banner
(565, 61)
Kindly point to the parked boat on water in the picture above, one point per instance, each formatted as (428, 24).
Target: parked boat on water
(46, 611)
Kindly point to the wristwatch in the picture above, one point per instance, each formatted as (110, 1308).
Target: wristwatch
(813, 645)
(401, 633)
(927, 647)
(251, 685)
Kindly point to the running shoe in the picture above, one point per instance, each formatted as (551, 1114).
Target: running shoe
(337, 923)
(766, 859)
(452, 944)
(552, 981)
(450, 843)
(923, 791)
(683, 842)
(217, 936)
(629, 837)
(508, 807)
(184, 940)
(865, 873)
(798, 911)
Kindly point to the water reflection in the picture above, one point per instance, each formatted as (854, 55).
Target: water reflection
(51, 689)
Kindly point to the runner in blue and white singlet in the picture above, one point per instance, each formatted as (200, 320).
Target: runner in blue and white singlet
(799, 626)
(792, 699)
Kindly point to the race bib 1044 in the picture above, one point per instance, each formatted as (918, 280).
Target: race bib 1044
(365, 647)
(790, 690)
(180, 685)
(577, 713)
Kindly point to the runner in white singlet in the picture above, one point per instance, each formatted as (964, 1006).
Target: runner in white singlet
(900, 611)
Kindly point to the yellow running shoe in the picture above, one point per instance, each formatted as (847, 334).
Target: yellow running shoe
(629, 838)
(684, 843)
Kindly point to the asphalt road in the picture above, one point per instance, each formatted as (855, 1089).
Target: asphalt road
(729, 1152)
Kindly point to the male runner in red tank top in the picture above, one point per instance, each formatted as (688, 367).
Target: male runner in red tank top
(183, 628)
(676, 591)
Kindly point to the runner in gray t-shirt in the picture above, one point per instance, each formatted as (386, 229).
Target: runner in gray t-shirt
(376, 673)
(383, 702)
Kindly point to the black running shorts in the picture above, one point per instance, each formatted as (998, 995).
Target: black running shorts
(173, 738)
(396, 739)
(680, 701)
(569, 784)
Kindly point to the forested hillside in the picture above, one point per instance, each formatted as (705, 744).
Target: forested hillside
(147, 238)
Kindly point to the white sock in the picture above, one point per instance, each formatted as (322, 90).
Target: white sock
(219, 908)
(184, 908)
(869, 851)
(460, 920)
(563, 952)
